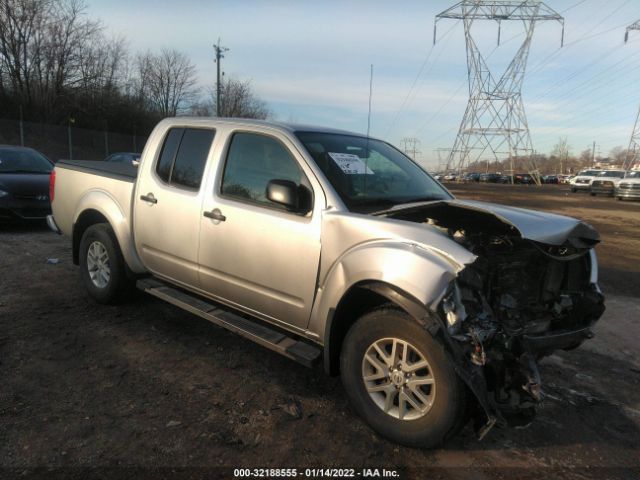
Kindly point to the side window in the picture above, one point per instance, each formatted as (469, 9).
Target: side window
(252, 161)
(192, 158)
(184, 156)
(168, 154)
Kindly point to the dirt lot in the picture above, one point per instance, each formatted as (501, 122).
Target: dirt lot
(147, 391)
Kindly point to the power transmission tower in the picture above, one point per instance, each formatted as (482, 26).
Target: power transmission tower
(411, 146)
(443, 166)
(220, 51)
(494, 123)
(631, 159)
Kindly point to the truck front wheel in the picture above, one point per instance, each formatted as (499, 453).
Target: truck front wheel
(400, 380)
(102, 266)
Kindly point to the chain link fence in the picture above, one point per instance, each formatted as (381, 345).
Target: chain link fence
(70, 143)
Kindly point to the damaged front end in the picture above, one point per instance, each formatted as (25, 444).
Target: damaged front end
(520, 300)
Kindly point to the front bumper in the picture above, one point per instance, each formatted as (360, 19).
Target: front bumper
(27, 209)
(580, 186)
(628, 192)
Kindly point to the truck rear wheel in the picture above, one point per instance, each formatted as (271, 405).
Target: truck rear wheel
(401, 381)
(102, 265)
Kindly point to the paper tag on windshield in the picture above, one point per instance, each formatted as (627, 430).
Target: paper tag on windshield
(350, 163)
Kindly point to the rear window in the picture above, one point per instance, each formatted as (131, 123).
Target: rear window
(168, 154)
(184, 156)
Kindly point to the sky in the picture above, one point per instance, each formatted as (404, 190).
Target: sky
(310, 61)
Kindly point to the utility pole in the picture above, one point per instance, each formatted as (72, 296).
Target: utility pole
(220, 50)
(593, 154)
(411, 146)
(494, 122)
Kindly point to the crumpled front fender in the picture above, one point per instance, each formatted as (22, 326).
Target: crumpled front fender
(420, 273)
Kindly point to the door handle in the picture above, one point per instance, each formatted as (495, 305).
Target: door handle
(149, 198)
(215, 214)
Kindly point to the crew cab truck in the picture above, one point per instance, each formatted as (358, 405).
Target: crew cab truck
(328, 245)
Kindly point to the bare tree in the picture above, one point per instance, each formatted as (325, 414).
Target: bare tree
(167, 81)
(42, 43)
(561, 153)
(618, 155)
(237, 99)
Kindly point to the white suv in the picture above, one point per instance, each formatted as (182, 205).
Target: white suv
(582, 180)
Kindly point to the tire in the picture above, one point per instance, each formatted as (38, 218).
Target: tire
(574, 190)
(102, 266)
(619, 199)
(592, 194)
(445, 411)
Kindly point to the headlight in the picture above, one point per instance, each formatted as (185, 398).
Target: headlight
(3, 193)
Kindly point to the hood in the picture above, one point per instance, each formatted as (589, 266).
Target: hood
(542, 227)
(629, 180)
(25, 184)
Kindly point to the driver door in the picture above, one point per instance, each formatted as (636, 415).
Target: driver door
(254, 253)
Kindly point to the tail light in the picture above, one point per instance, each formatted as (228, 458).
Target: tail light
(52, 185)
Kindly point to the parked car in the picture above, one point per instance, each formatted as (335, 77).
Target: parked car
(24, 184)
(471, 177)
(124, 157)
(523, 178)
(319, 243)
(490, 178)
(564, 179)
(605, 182)
(629, 186)
(450, 177)
(550, 179)
(582, 181)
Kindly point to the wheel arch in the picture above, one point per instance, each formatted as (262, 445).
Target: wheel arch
(357, 300)
(85, 220)
(99, 207)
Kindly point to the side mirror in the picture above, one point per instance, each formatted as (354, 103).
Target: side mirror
(293, 197)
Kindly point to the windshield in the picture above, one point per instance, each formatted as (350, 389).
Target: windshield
(370, 175)
(23, 161)
(589, 173)
(633, 174)
(612, 173)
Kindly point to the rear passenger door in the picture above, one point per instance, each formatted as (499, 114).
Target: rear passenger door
(168, 205)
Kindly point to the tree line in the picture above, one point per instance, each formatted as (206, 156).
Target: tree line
(59, 66)
(560, 160)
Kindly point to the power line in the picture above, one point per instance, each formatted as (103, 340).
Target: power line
(538, 66)
(415, 81)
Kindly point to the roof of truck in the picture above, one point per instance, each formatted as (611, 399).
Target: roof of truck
(288, 127)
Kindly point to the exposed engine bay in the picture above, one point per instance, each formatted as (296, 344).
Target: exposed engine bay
(519, 301)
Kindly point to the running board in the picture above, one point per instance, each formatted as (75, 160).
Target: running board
(304, 353)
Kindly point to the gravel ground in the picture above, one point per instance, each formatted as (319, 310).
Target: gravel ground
(144, 390)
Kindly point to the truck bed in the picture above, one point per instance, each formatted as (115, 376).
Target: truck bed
(100, 187)
(119, 171)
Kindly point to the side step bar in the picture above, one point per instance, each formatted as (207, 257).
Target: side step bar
(302, 352)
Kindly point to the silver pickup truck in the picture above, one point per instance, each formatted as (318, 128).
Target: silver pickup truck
(324, 244)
